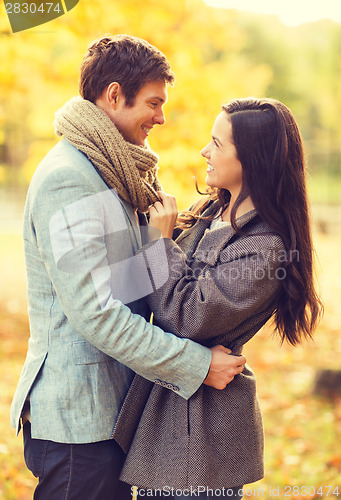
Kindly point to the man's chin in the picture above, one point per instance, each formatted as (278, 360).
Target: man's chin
(141, 143)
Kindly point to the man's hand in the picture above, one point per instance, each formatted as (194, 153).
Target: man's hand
(224, 367)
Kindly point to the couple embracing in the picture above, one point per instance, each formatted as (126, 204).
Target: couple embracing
(108, 399)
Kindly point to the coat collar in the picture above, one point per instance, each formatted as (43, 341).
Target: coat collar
(203, 243)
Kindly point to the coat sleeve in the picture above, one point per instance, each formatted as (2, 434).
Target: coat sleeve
(71, 240)
(212, 295)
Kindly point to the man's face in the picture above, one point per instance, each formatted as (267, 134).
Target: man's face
(136, 122)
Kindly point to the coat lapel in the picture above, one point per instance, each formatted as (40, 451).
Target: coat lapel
(205, 244)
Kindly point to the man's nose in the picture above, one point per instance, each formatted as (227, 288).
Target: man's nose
(159, 117)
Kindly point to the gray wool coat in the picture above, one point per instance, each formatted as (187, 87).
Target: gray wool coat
(222, 289)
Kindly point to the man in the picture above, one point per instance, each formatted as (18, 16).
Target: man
(82, 233)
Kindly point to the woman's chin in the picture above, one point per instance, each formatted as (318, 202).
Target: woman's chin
(209, 182)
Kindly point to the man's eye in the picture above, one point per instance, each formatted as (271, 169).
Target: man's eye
(154, 104)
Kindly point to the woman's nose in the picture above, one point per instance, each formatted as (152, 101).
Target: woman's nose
(204, 151)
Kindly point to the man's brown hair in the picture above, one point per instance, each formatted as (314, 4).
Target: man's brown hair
(130, 61)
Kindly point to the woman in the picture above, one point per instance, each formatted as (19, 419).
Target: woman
(244, 256)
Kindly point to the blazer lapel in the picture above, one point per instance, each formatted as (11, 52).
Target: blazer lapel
(132, 223)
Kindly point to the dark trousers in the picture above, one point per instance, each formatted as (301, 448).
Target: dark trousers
(75, 471)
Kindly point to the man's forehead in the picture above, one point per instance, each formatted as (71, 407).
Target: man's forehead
(155, 90)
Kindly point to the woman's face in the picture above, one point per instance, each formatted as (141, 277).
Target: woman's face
(224, 170)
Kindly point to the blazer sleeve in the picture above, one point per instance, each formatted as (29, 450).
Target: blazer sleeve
(212, 295)
(82, 287)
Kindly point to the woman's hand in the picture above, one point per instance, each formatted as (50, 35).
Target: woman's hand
(163, 215)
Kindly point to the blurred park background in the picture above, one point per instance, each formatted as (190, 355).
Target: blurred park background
(217, 55)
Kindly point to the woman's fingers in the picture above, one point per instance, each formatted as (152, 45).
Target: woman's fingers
(163, 214)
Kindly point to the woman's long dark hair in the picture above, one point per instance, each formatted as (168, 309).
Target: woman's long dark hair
(269, 147)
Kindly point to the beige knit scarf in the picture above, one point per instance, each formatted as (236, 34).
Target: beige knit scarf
(130, 169)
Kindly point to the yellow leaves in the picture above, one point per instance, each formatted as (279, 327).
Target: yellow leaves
(293, 432)
(335, 462)
(14, 484)
(203, 45)
(36, 152)
(2, 174)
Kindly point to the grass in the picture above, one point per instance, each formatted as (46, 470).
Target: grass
(302, 430)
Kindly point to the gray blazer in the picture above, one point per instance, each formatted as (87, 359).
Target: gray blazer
(80, 245)
(221, 290)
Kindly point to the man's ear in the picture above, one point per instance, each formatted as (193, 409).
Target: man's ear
(113, 94)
